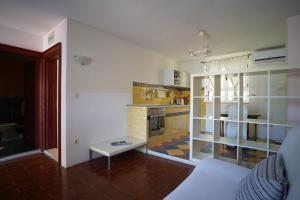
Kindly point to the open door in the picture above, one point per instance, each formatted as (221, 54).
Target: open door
(43, 99)
(24, 119)
(52, 98)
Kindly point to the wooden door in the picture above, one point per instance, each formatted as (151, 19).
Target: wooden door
(51, 122)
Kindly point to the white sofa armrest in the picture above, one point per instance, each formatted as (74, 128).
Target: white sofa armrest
(211, 180)
(225, 169)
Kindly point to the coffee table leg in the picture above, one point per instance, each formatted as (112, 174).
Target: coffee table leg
(147, 150)
(91, 155)
(108, 163)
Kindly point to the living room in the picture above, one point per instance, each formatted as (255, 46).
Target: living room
(238, 101)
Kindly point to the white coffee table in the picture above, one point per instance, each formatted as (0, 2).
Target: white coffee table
(106, 149)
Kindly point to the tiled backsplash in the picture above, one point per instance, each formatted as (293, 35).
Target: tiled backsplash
(143, 93)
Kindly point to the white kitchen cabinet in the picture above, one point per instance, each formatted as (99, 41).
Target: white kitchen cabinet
(174, 77)
(185, 79)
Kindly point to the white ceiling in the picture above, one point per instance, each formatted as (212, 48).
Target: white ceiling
(167, 26)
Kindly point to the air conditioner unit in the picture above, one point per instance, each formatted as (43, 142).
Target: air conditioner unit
(269, 55)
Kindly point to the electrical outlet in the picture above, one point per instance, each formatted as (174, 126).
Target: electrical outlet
(76, 141)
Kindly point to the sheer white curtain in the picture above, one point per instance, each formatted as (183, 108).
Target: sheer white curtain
(229, 83)
(229, 88)
(227, 64)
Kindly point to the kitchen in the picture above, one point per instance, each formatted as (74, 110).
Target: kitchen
(160, 114)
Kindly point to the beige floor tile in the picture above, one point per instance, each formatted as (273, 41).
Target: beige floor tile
(183, 146)
(175, 152)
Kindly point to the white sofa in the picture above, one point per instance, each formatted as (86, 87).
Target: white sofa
(215, 179)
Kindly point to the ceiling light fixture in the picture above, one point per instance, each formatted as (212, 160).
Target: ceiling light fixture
(204, 46)
(83, 60)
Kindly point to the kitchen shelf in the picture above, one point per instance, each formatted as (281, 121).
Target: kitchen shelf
(227, 119)
(204, 118)
(198, 108)
(202, 149)
(225, 152)
(255, 121)
(203, 137)
(285, 123)
(250, 157)
(261, 93)
(278, 105)
(254, 97)
(254, 145)
(226, 140)
(251, 121)
(203, 130)
(277, 135)
(176, 78)
(284, 97)
(201, 156)
(200, 97)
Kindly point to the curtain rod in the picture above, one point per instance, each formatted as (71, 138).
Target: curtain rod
(233, 56)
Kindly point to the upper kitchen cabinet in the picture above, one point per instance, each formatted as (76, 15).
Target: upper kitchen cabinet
(174, 77)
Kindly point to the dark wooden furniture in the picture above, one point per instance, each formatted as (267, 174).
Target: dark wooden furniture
(250, 116)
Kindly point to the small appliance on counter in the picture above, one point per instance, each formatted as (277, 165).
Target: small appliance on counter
(180, 101)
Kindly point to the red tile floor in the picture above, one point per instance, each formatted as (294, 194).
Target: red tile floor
(134, 175)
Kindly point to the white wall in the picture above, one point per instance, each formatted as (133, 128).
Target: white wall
(97, 94)
(293, 90)
(191, 67)
(294, 59)
(60, 35)
(294, 40)
(14, 37)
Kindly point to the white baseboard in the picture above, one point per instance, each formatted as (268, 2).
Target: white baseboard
(20, 155)
(50, 155)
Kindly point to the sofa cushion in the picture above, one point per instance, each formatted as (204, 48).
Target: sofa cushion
(290, 150)
(211, 180)
(266, 181)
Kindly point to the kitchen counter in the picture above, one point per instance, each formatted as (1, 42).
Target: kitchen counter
(158, 105)
(176, 117)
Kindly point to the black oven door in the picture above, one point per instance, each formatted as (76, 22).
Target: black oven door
(156, 124)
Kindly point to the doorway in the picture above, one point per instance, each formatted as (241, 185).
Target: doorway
(17, 104)
(30, 101)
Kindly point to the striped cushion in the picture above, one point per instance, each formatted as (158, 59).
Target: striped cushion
(266, 181)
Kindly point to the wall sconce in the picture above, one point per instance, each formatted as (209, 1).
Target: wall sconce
(83, 60)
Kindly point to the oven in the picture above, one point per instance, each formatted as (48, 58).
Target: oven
(156, 119)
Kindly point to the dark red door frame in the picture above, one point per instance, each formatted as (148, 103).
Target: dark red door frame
(37, 56)
(53, 53)
(20, 51)
(40, 88)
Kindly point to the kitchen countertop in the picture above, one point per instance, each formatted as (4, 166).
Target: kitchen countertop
(158, 105)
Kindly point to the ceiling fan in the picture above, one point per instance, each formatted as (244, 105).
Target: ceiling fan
(203, 51)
